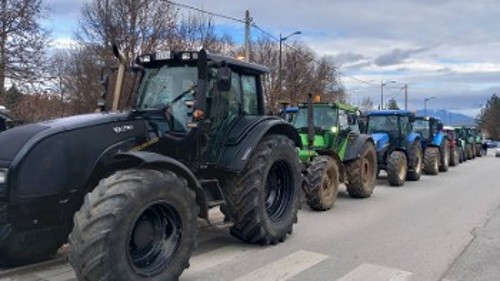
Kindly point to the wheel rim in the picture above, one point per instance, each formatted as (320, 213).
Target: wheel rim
(154, 240)
(402, 172)
(367, 171)
(279, 189)
(328, 183)
(418, 168)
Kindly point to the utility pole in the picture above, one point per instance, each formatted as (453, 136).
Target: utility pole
(248, 21)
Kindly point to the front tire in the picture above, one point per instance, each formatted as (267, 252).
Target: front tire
(135, 225)
(415, 161)
(444, 157)
(397, 168)
(431, 160)
(321, 183)
(362, 173)
(263, 201)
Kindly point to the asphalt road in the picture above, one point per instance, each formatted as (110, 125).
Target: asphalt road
(443, 227)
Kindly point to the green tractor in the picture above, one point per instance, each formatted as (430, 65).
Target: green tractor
(470, 142)
(334, 152)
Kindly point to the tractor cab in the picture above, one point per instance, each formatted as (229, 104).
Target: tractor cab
(390, 127)
(430, 129)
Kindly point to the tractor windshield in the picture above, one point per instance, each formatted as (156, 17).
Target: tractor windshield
(383, 124)
(160, 86)
(422, 127)
(325, 117)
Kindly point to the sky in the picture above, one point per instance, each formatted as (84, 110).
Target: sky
(445, 49)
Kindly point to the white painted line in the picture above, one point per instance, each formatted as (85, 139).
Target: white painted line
(370, 272)
(216, 257)
(285, 268)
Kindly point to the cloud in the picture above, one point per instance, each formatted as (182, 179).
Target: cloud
(397, 56)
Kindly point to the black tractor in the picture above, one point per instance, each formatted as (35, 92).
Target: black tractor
(130, 185)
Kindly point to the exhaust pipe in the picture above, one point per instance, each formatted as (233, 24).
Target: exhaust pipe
(119, 77)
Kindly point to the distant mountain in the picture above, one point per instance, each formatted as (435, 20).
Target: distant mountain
(449, 118)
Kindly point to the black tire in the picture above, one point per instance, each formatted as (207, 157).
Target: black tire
(321, 183)
(479, 148)
(444, 156)
(460, 155)
(361, 173)
(454, 157)
(415, 161)
(135, 225)
(397, 168)
(431, 160)
(469, 152)
(21, 247)
(263, 200)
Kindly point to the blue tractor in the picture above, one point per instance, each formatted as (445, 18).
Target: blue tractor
(399, 151)
(435, 144)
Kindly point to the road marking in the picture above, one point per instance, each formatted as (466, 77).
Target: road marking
(215, 257)
(370, 272)
(285, 268)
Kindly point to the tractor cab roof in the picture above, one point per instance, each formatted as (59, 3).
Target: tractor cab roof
(390, 113)
(337, 105)
(164, 57)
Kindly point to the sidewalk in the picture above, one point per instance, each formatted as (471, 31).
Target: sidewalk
(481, 259)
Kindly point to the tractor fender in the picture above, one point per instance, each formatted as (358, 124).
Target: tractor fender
(413, 136)
(235, 155)
(354, 150)
(157, 161)
(381, 141)
(438, 138)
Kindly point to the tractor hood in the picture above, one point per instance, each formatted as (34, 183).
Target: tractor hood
(12, 141)
(381, 140)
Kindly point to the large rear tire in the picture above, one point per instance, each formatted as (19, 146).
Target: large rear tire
(135, 225)
(263, 199)
(321, 183)
(454, 157)
(362, 173)
(479, 148)
(397, 168)
(444, 156)
(415, 161)
(21, 247)
(431, 160)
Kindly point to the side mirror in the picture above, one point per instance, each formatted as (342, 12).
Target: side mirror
(440, 126)
(224, 79)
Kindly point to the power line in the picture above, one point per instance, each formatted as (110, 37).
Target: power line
(205, 11)
(268, 34)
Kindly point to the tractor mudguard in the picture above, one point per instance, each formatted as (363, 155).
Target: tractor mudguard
(241, 144)
(412, 137)
(354, 150)
(438, 138)
(155, 160)
(381, 140)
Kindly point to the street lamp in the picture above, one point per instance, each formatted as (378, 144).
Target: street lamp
(425, 104)
(382, 84)
(280, 70)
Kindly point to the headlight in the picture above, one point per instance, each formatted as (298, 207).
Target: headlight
(3, 175)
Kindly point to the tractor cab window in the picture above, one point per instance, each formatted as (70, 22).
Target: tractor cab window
(383, 124)
(422, 127)
(250, 102)
(162, 85)
(405, 125)
(343, 120)
(325, 117)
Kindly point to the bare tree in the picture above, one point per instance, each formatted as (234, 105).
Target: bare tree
(366, 104)
(139, 26)
(22, 43)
